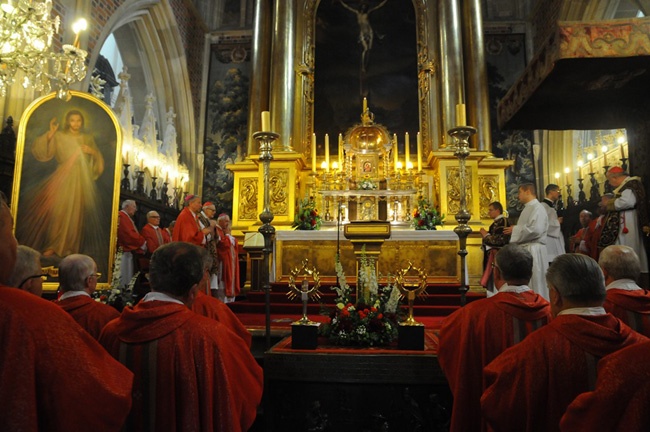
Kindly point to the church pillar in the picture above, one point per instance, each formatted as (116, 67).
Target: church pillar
(261, 70)
(282, 74)
(451, 63)
(478, 101)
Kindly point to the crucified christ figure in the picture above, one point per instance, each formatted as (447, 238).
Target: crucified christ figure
(366, 34)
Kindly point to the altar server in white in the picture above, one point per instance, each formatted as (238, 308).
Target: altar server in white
(530, 232)
(554, 236)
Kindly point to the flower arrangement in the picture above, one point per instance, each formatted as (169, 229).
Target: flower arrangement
(372, 321)
(116, 295)
(367, 184)
(425, 216)
(307, 217)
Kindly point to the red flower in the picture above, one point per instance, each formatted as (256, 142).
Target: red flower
(421, 222)
(373, 309)
(380, 316)
(625, 230)
(313, 213)
(313, 222)
(416, 214)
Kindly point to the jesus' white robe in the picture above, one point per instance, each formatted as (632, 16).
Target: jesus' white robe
(530, 233)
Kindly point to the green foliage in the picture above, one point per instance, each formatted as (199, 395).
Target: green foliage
(425, 216)
(307, 217)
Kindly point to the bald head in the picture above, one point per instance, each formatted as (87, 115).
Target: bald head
(619, 262)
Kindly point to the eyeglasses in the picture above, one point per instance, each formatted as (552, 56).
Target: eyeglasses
(95, 275)
(154, 217)
(42, 276)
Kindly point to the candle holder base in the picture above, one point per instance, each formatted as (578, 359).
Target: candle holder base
(304, 335)
(410, 337)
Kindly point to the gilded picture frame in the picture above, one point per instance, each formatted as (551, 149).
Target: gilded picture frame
(66, 190)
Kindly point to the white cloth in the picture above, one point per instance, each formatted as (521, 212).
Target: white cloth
(69, 294)
(160, 296)
(514, 288)
(554, 238)
(623, 284)
(625, 205)
(589, 311)
(127, 269)
(530, 233)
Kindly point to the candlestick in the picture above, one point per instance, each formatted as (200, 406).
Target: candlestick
(365, 104)
(622, 151)
(407, 150)
(566, 175)
(591, 167)
(419, 142)
(266, 121)
(154, 170)
(313, 153)
(604, 149)
(340, 152)
(395, 152)
(327, 152)
(460, 114)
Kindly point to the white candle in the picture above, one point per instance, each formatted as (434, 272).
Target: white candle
(622, 152)
(266, 121)
(407, 150)
(419, 141)
(365, 104)
(327, 152)
(340, 152)
(604, 149)
(313, 153)
(395, 152)
(460, 114)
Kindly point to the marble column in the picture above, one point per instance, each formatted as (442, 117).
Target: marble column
(451, 62)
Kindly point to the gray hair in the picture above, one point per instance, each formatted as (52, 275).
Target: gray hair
(620, 262)
(127, 203)
(515, 263)
(578, 278)
(206, 259)
(152, 213)
(73, 272)
(28, 263)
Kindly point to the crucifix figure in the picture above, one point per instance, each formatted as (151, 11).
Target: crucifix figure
(366, 33)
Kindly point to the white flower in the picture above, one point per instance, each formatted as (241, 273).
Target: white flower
(361, 330)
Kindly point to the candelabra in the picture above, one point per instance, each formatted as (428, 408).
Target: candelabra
(153, 193)
(164, 198)
(461, 135)
(582, 197)
(594, 191)
(267, 230)
(569, 199)
(608, 187)
(139, 188)
(126, 183)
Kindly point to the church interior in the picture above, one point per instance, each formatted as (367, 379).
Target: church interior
(331, 132)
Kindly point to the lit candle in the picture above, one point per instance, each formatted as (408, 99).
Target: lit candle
(591, 166)
(365, 104)
(126, 157)
(266, 121)
(167, 177)
(604, 149)
(313, 153)
(622, 152)
(407, 150)
(566, 174)
(395, 152)
(419, 141)
(460, 114)
(580, 164)
(141, 163)
(154, 170)
(327, 152)
(341, 157)
(557, 177)
(398, 166)
(409, 166)
(335, 165)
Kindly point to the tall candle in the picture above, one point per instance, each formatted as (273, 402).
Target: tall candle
(154, 170)
(622, 152)
(327, 152)
(365, 104)
(460, 114)
(341, 152)
(266, 121)
(604, 149)
(566, 174)
(313, 153)
(407, 150)
(591, 167)
(395, 152)
(419, 141)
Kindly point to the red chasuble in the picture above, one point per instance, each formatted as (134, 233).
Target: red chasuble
(150, 235)
(53, 375)
(90, 314)
(127, 235)
(473, 336)
(214, 308)
(191, 372)
(631, 307)
(187, 228)
(620, 400)
(530, 385)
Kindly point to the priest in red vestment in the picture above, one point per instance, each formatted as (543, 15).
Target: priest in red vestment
(191, 372)
(473, 336)
(153, 234)
(187, 228)
(530, 385)
(54, 376)
(214, 308)
(78, 280)
(620, 399)
(228, 252)
(577, 241)
(625, 299)
(27, 274)
(129, 239)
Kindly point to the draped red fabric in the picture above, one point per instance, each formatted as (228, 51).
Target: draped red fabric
(620, 400)
(127, 235)
(214, 308)
(473, 336)
(149, 234)
(89, 314)
(53, 375)
(530, 385)
(631, 307)
(192, 372)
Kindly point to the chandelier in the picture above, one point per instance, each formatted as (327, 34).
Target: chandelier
(26, 32)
